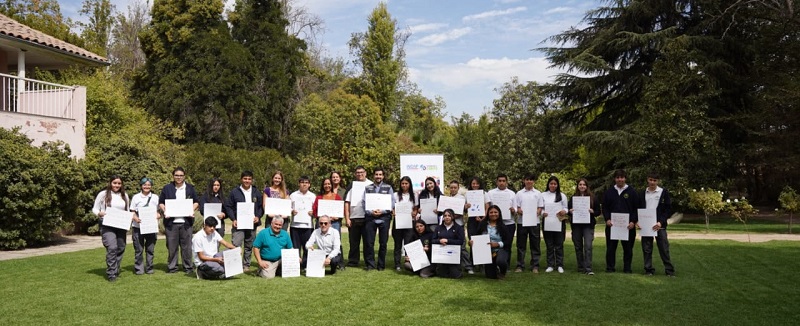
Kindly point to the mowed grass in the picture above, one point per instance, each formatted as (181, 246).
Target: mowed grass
(727, 224)
(718, 283)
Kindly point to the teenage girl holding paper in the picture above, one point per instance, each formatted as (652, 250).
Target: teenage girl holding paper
(113, 238)
(583, 233)
(405, 194)
(143, 243)
(554, 240)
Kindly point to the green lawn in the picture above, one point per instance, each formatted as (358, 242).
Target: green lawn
(718, 283)
(727, 224)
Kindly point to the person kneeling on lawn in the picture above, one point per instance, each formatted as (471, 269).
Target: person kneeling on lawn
(267, 248)
(327, 239)
(205, 244)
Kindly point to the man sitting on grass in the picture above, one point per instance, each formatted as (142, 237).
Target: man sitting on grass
(206, 256)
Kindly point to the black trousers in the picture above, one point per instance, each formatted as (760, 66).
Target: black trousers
(528, 235)
(499, 265)
(356, 235)
(663, 250)
(627, 251)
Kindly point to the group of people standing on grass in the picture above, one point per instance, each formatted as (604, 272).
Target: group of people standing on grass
(324, 232)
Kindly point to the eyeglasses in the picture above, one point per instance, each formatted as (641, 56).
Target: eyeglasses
(178, 175)
(323, 223)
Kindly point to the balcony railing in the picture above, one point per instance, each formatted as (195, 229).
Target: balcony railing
(30, 96)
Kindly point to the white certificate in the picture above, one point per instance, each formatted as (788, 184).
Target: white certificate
(382, 202)
(315, 267)
(619, 226)
(303, 206)
(476, 200)
(427, 209)
(245, 212)
(278, 206)
(529, 216)
(551, 222)
(149, 222)
(503, 201)
(448, 254)
(357, 192)
(416, 255)
(290, 263)
(402, 215)
(647, 220)
(117, 218)
(580, 210)
(331, 208)
(454, 203)
(178, 207)
(212, 209)
(481, 250)
(233, 262)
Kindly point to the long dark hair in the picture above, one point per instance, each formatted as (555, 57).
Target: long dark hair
(322, 186)
(436, 191)
(452, 215)
(410, 189)
(210, 189)
(425, 229)
(558, 187)
(587, 193)
(122, 192)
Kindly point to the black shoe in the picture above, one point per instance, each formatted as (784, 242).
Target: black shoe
(628, 272)
(368, 269)
(112, 279)
(352, 264)
(172, 271)
(380, 269)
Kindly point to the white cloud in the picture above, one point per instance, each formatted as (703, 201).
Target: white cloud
(558, 10)
(426, 27)
(493, 13)
(483, 72)
(436, 39)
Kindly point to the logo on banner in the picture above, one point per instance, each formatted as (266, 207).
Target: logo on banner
(423, 167)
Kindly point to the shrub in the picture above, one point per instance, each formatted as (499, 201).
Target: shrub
(707, 200)
(39, 192)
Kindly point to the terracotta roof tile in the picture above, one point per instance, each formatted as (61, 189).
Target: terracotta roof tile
(13, 28)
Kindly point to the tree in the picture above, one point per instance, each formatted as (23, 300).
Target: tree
(125, 51)
(380, 54)
(196, 75)
(261, 28)
(523, 134)
(97, 32)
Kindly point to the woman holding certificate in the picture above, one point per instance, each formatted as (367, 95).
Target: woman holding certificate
(327, 193)
(404, 196)
(555, 213)
(475, 218)
(428, 202)
(425, 237)
(112, 198)
(498, 238)
(582, 218)
(450, 234)
(276, 188)
(214, 195)
(143, 242)
(338, 184)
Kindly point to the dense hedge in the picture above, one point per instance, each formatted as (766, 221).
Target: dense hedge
(39, 192)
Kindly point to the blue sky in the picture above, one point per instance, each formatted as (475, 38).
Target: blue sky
(459, 50)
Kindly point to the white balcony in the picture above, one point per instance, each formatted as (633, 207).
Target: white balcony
(44, 111)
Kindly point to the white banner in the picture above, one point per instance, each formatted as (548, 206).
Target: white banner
(420, 166)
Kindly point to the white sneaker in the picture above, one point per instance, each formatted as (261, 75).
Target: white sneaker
(561, 270)
(548, 270)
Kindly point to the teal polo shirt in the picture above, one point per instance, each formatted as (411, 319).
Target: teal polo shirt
(270, 244)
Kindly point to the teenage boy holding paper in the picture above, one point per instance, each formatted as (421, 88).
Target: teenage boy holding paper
(245, 193)
(655, 197)
(178, 228)
(620, 198)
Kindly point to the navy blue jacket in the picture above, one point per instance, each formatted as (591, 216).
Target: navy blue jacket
(454, 236)
(237, 196)
(169, 193)
(663, 208)
(627, 202)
